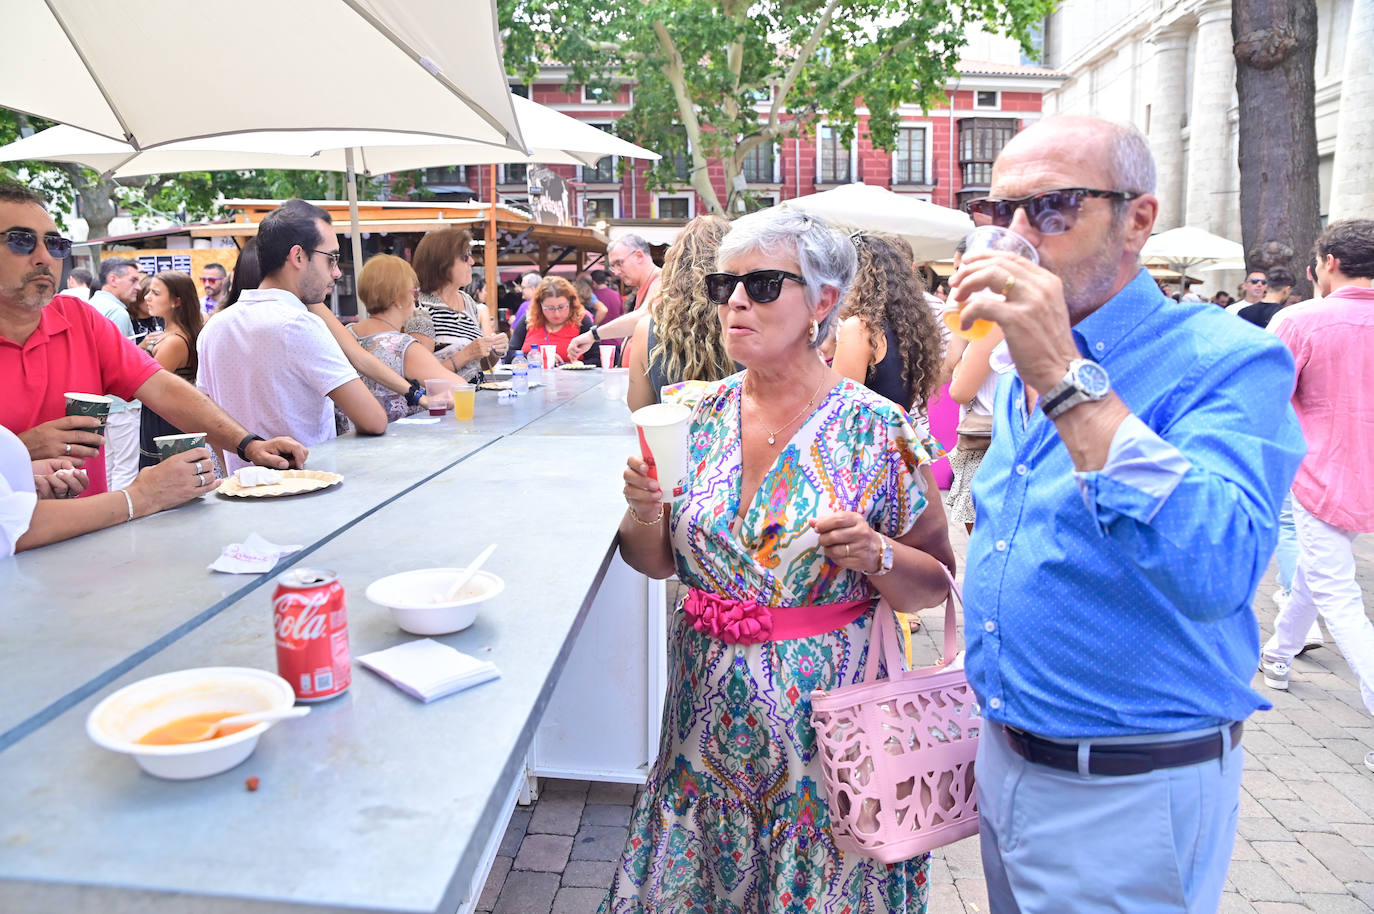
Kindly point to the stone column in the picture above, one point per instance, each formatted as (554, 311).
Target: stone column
(1209, 148)
(1352, 190)
(1167, 108)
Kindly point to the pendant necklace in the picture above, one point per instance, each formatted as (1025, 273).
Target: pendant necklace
(772, 436)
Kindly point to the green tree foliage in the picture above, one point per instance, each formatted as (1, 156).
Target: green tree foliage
(714, 79)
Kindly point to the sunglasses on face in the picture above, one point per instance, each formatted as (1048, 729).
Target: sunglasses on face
(1258, 282)
(332, 255)
(23, 241)
(761, 286)
(1053, 212)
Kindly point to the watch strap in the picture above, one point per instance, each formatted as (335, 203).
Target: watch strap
(596, 334)
(243, 445)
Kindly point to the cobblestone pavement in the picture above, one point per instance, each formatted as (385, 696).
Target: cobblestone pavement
(1305, 840)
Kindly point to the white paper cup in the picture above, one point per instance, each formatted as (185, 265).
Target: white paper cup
(664, 426)
(550, 354)
(607, 356)
(615, 383)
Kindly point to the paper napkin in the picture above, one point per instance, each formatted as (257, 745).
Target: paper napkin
(417, 419)
(427, 669)
(254, 555)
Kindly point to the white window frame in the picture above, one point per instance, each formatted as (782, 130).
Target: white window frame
(853, 158)
(996, 100)
(929, 162)
(584, 171)
(689, 195)
(615, 203)
(777, 164)
(593, 100)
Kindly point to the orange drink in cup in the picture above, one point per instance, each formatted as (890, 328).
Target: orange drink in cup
(985, 238)
(464, 399)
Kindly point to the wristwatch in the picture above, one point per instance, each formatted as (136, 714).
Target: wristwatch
(596, 335)
(1085, 381)
(417, 390)
(886, 564)
(243, 445)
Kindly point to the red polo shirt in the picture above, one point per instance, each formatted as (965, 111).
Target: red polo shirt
(74, 348)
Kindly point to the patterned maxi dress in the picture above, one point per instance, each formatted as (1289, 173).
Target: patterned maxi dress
(734, 818)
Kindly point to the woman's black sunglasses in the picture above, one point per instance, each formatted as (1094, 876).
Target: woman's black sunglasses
(762, 286)
(1050, 213)
(23, 241)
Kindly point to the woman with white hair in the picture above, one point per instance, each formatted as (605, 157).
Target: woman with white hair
(803, 504)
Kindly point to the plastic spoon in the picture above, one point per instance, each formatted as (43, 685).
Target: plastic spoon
(455, 592)
(244, 720)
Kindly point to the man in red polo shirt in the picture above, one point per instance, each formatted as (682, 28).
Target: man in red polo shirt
(50, 346)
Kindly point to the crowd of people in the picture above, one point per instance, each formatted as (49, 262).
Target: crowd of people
(1127, 462)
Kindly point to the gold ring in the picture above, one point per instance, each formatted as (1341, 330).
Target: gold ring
(1006, 286)
(846, 550)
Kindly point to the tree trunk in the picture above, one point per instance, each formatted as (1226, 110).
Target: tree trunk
(97, 196)
(1276, 49)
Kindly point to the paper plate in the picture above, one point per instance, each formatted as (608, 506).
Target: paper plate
(502, 385)
(293, 482)
(576, 366)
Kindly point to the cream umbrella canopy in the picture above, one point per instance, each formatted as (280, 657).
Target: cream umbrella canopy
(1183, 247)
(931, 230)
(88, 63)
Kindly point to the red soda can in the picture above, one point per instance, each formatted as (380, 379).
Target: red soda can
(310, 619)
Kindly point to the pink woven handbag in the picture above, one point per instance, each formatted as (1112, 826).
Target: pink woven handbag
(898, 752)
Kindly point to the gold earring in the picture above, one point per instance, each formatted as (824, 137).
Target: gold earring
(815, 330)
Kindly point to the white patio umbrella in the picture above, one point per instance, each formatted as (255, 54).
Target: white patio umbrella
(554, 138)
(931, 230)
(1183, 247)
(430, 66)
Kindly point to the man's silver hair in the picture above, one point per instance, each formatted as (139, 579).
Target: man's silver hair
(826, 256)
(631, 243)
(530, 281)
(1133, 165)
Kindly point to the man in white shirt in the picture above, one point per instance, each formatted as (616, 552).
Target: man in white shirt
(79, 284)
(117, 288)
(271, 362)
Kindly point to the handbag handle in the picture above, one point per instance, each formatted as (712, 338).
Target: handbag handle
(886, 640)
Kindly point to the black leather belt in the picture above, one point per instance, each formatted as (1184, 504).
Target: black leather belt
(1121, 758)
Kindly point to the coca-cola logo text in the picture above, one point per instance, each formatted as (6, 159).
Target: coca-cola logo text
(300, 617)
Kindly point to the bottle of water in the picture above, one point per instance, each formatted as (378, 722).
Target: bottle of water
(520, 374)
(536, 361)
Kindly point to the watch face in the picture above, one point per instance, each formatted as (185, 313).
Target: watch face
(1093, 379)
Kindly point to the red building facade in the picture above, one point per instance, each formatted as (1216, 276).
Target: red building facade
(943, 156)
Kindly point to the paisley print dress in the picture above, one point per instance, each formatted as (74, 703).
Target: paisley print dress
(734, 818)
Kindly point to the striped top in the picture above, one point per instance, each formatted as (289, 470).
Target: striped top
(439, 322)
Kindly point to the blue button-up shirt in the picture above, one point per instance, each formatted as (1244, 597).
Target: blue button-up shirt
(1118, 602)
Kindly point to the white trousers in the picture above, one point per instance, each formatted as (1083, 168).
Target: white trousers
(121, 446)
(1325, 583)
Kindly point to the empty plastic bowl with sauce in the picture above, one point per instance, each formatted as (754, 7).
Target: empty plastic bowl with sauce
(419, 602)
(139, 711)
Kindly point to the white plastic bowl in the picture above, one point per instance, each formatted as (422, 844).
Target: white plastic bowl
(411, 596)
(135, 710)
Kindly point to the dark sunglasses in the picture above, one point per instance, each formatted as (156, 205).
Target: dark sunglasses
(23, 241)
(1053, 212)
(762, 286)
(1258, 282)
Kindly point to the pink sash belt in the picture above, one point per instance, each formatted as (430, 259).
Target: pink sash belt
(748, 622)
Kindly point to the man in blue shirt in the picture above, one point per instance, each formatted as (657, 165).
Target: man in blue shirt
(1126, 511)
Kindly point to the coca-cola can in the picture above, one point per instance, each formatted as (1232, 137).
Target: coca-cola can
(310, 619)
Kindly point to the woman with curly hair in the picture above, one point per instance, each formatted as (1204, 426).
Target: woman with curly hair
(888, 338)
(682, 340)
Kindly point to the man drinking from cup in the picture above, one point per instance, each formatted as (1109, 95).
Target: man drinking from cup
(1126, 511)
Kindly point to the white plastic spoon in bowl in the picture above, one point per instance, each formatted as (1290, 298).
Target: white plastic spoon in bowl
(456, 591)
(244, 720)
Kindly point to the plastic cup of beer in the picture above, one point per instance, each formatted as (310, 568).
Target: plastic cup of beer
(550, 355)
(607, 356)
(439, 392)
(464, 399)
(663, 433)
(615, 383)
(170, 445)
(986, 238)
(93, 405)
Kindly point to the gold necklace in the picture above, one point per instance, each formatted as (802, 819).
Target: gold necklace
(772, 436)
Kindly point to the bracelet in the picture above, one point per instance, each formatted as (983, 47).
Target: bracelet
(128, 500)
(596, 335)
(646, 523)
(247, 440)
(417, 390)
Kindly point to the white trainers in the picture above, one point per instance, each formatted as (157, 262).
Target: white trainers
(1275, 673)
(1281, 598)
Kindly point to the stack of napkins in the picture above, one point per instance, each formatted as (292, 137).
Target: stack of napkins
(427, 669)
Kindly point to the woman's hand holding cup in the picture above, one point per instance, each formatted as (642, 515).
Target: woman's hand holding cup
(174, 481)
(642, 493)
